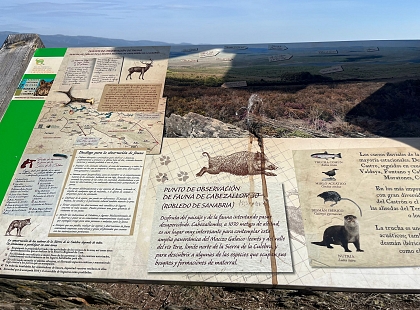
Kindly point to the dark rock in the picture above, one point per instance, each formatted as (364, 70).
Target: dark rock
(15, 55)
(27, 294)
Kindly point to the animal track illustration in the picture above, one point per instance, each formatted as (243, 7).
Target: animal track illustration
(165, 160)
(182, 176)
(162, 177)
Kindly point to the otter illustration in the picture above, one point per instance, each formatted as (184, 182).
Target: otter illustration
(342, 235)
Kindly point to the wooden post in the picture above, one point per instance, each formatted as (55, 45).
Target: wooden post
(15, 54)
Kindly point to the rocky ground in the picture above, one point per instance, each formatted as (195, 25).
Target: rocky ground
(28, 295)
(193, 297)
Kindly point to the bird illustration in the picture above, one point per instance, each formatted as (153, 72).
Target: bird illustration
(331, 173)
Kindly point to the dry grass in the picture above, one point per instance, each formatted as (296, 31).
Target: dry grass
(322, 107)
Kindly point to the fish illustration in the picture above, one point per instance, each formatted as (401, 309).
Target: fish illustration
(325, 155)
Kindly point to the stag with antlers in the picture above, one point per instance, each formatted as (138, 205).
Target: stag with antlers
(141, 70)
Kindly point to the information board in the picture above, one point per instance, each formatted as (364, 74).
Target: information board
(99, 195)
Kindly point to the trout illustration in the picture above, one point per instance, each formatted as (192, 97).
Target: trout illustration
(325, 155)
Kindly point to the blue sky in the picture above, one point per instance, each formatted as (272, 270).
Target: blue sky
(217, 21)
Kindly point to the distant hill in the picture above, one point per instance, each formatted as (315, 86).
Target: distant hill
(59, 40)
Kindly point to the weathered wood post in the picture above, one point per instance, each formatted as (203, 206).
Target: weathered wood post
(15, 54)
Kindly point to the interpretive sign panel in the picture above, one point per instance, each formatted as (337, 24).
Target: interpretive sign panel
(360, 206)
(99, 99)
(128, 97)
(98, 195)
(179, 167)
(218, 227)
(186, 196)
(36, 186)
(101, 193)
(72, 206)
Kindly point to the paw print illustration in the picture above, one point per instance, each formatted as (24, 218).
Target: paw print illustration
(162, 177)
(182, 176)
(165, 160)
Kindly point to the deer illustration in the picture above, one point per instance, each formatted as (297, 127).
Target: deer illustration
(141, 70)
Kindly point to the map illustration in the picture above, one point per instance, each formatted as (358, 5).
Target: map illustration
(70, 118)
(62, 129)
